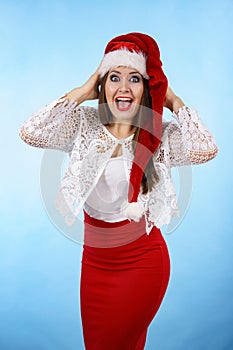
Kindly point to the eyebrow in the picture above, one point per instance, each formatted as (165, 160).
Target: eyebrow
(116, 71)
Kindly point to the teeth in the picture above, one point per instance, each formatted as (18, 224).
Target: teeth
(124, 99)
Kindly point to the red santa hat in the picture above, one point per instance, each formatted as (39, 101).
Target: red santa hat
(140, 51)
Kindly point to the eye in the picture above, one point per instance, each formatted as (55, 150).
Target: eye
(114, 78)
(135, 78)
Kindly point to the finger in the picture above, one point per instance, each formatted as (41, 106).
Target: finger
(66, 102)
(73, 104)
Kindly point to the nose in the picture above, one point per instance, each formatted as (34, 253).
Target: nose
(124, 85)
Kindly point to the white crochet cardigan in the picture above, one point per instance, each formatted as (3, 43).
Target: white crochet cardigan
(78, 130)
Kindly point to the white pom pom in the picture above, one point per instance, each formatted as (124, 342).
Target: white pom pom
(133, 211)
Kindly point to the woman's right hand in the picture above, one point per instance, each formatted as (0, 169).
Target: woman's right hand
(88, 91)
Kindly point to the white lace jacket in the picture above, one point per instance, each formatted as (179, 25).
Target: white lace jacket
(78, 130)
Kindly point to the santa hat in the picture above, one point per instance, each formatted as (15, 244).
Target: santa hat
(140, 51)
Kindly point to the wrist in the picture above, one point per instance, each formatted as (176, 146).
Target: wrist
(83, 94)
(77, 94)
(177, 103)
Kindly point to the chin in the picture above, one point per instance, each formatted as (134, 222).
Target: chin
(124, 116)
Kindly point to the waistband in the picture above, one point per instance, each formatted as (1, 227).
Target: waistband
(103, 234)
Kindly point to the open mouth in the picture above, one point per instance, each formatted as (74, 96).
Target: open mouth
(123, 103)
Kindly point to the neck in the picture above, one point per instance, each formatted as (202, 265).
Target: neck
(121, 130)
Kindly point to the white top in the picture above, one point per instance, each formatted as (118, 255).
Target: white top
(79, 131)
(111, 191)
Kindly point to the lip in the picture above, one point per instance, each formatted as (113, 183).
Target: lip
(123, 103)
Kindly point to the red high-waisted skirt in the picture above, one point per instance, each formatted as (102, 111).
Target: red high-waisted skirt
(122, 286)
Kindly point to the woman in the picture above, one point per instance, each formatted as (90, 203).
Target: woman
(119, 171)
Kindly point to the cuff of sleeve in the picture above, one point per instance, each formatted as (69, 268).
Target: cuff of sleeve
(180, 110)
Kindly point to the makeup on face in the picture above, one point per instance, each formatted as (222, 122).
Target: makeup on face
(124, 88)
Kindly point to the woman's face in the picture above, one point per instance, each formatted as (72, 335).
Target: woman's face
(123, 90)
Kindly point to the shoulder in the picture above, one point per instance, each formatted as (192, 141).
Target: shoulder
(165, 125)
(90, 121)
(88, 115)
(168, 127)
(87, 111)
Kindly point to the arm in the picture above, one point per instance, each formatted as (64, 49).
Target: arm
(56, 125)
(190, 142)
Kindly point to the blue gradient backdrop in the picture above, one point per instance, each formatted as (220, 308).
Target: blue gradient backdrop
(49, 47)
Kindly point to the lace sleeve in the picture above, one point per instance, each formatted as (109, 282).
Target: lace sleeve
(53, 126)
(190, 141)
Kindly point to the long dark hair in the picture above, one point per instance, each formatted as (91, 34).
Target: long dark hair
(150, 177)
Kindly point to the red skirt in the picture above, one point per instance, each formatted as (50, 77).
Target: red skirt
(122, 286)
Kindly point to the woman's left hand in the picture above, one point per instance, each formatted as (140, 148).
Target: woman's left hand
(172, 101)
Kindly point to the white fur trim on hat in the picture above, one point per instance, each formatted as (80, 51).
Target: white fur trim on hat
(123, 57)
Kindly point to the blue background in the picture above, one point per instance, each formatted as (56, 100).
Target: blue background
(49, 47)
